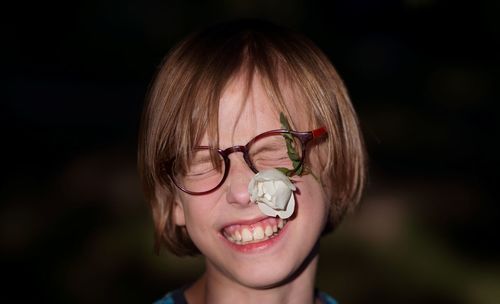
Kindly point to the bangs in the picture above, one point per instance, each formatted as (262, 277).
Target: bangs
(208, 66)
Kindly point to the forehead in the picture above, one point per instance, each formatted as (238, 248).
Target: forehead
(247, 108)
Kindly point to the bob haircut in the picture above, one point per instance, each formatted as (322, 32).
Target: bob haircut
(183, 103)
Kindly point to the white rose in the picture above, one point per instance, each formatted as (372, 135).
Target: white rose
(272, 191)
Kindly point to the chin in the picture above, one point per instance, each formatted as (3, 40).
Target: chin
(266, 275)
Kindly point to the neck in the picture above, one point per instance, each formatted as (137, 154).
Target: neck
(214, 287)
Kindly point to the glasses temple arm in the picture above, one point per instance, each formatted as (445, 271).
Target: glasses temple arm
(318, 132)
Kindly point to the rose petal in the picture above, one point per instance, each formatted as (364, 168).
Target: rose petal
(269, 187)
(272, 191)
(260, 189)
(290, 208)
(282, 197)
(272, 175)
(267, 210)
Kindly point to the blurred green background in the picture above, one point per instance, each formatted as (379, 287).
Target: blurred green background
(422, 74)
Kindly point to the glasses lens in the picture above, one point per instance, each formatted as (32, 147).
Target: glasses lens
(203, 172)
(276, 151)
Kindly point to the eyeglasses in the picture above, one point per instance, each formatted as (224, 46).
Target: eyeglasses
(208, 167)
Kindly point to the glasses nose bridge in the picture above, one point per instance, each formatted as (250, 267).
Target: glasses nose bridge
(242, 149)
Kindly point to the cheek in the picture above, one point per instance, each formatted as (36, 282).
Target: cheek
(197, 224)
(317, 160)
(313, 201)
(195, 215)
(198, 210)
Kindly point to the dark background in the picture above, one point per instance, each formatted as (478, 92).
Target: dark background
(423, 75)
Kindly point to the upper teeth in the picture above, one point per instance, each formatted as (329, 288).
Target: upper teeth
(263, 230)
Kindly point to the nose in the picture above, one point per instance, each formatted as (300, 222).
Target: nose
(237, 181)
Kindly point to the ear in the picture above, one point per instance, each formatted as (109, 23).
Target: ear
(179, 217)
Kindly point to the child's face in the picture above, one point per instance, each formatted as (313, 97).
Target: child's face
(228, 209)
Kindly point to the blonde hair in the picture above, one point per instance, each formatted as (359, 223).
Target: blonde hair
(183, 104)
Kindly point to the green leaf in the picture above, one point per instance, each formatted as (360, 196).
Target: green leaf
(284, 122)
(292, 154)
(283, 170)
(299, 170)
(291, 151)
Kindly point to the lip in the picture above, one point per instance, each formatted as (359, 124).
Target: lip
(245, 222)
(258, 246)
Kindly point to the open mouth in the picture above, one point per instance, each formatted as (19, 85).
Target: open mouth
(254, 233)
